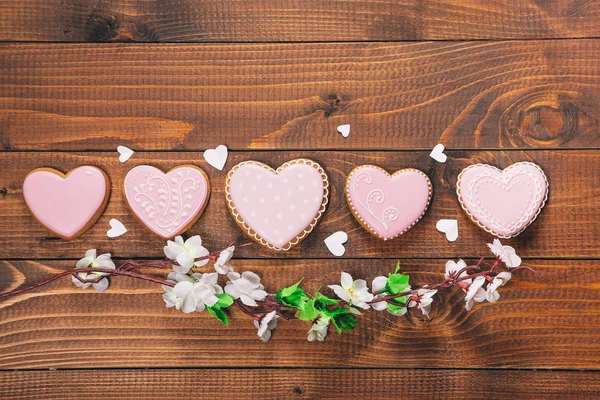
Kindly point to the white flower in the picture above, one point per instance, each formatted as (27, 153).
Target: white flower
(377, 286)
(475, 294)
(222, 265)
(319, 330)
(192, 293)
(452, 269)
(353, 291)
(423, 300)
(266, 325)
(169, 297)
(506, 253)
(246, 287)
(91, 261)
(186, 253)
(492, 294)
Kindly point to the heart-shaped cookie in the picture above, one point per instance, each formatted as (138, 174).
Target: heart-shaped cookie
(387, 205)
(503, 202)
(167, 203)
(277, 208)
(67, 205)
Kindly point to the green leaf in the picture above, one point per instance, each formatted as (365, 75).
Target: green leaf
(288, 291)
(292, 296)
(322, 303)
(324, 299)
(225, 301)
(308, 312)
(397, 283)
(397, 267)
(218, 314)
(395, 309)
(401, 299)
(344, 322)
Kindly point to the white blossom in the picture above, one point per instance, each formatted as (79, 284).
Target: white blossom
(354, 292)
(186, 253)
(492, 294)
(91, 261)
(246, 287)
(266, 325)
(319, 330)
(506, 253)
(423, 300)
(475, 293)
(378, 285)
(452, 269)
(222, 265)
(192, 293)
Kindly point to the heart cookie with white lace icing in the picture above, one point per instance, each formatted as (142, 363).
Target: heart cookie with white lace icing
(169, 203)
(503, 202)
(277, 208)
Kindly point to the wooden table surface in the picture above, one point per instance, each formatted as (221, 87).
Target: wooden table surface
(495, 81)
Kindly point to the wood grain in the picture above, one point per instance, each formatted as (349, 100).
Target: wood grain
(550, 323)
(299, 384)
(467, 95)
(567, 227)
(294, 20)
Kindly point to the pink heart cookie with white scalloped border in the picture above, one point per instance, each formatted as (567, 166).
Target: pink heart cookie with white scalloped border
(387, 205)
(169, 203)
(277, 208)
(503, 202)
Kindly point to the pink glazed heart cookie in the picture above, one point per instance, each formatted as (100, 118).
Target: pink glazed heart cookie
(167, 204)
(387, 205)
(67, 205)
(277, 208)
(505, 202)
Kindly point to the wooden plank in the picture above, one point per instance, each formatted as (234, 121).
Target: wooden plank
(567, 227)
(486, 95)
(299, 384)
(293, 20)
(551, 323)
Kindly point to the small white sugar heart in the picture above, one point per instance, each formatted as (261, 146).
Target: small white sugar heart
(438, 153)
(116, 228)
(335, 243)
(344, 130)
(125, 153)
(449, 227)
(216, 157)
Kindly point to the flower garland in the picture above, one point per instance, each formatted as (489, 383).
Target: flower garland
(192, 291)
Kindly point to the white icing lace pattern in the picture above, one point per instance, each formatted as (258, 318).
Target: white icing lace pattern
(307, 230)
(492, 225)
(171, 207)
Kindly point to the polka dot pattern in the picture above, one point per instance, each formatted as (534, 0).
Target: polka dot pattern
(286, 204)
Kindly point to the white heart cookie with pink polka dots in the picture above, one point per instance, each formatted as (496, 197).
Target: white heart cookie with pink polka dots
(503, 202)
(277, 208)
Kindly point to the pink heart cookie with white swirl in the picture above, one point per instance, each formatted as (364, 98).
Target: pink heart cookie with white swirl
(503, 202)
(277, 208)
(387, 205)
(169, 203)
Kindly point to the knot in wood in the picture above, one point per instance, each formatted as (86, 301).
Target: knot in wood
(541, 120)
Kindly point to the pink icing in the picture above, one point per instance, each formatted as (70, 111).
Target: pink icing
(278, 206)
(503, 202)
(166, 203)
(388, 204)
(65, 205)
